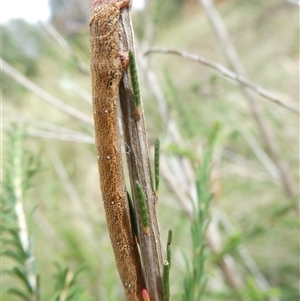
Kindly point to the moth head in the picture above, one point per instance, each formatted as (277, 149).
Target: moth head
(104, 19)
(95, 3)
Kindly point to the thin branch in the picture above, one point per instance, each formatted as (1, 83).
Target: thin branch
(184, 197)
(227, 73)
(57, 37)
(296, 2)
(139, 169)
(186, 191)
(45, 96)
(18, 184)
(46, 130)
(267, 134)
(79, 138)
(244, 167)
(61, 41)
(261, 155)
(175, 186)
(75, 87)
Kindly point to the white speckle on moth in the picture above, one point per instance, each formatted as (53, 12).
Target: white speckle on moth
(101, 59)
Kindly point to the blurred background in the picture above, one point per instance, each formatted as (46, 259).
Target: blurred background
(255, 179)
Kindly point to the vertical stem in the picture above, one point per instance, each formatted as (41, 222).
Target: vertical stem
(18, 181)
(139, 170)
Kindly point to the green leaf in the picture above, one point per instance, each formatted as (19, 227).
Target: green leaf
(22, 275)
(14, 255)
(156, 163)
(134, 80)
(19, 293)
(143, 210)
(195, 280)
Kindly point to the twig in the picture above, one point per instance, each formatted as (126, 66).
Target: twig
(61, 41)
(57, 37)
(183, 196)
(18, 185)
(228, 267)
(79, 138)
(45, 96)
(44, 129)
(75, 87)
(175, 186)
(260, 154)
(184, 188)
(263, 126)
(139, 170)
(244, 167)
(296, 2)
(54, 135)
(227, 73)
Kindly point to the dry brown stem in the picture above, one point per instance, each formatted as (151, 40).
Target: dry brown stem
(227, 73)
(136, 148)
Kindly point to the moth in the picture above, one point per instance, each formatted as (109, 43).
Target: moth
(107, 67)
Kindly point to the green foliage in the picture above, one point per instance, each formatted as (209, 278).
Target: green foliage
(21, 165)
(250, 293)
(20, 168)
(169, 250)
(229, 247)
(166, 282)
(265, 221)
(134, 81)
(254, 294)
(67, 285)
(156, 163)
(166, 268)
(195, 280)
(142, 207)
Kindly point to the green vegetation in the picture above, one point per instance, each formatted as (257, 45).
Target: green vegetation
(50, 156)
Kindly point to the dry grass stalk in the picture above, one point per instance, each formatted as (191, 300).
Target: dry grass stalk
(228, 73)
(45, 96)
(237, 66)
(139, 170)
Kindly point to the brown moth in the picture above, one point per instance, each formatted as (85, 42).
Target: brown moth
(107, 67)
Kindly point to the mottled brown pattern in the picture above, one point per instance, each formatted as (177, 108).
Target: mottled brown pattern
(107, 66)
